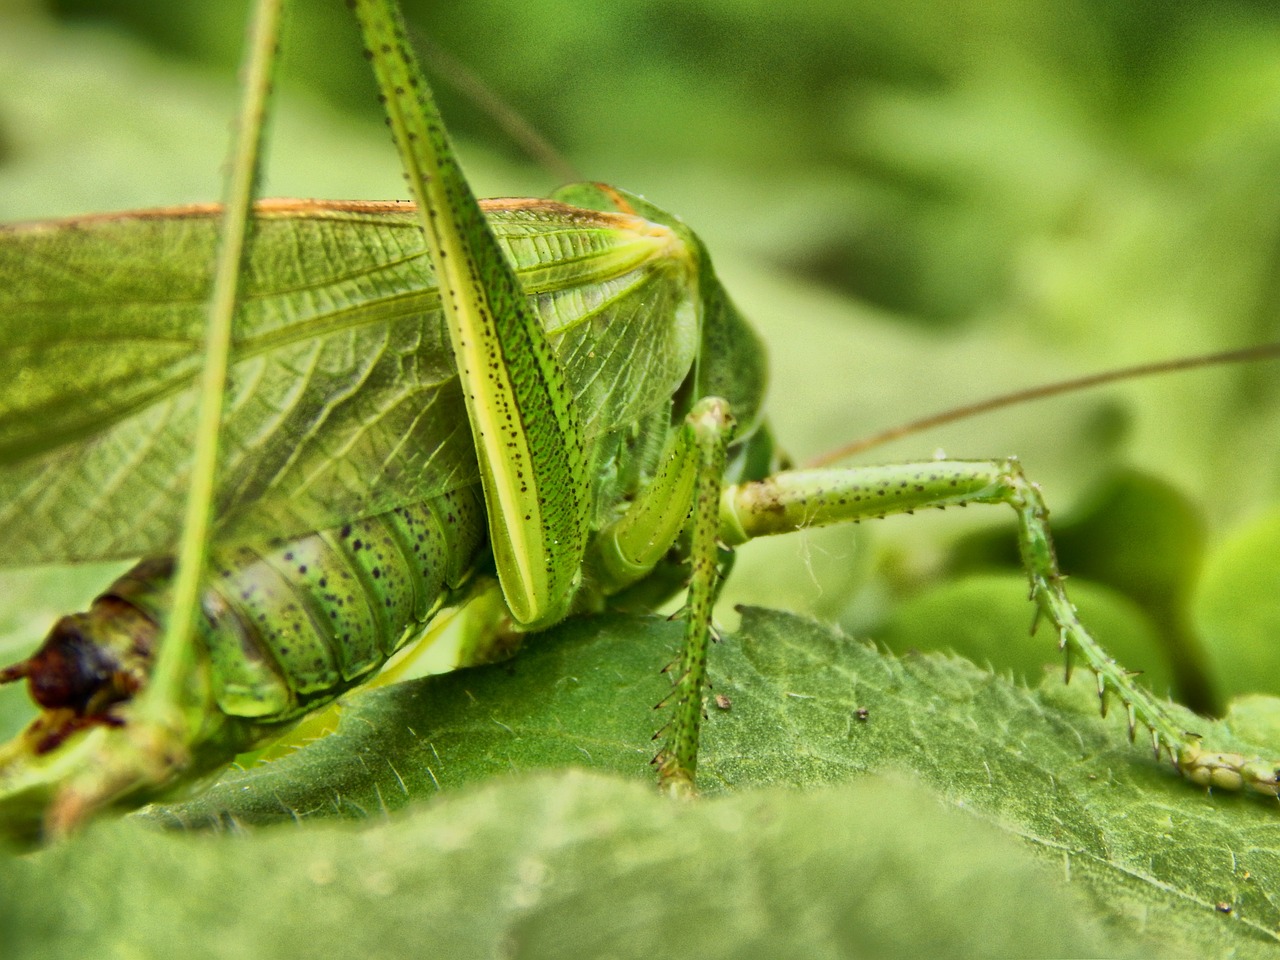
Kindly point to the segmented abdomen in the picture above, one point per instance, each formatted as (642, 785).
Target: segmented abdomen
(291, 626)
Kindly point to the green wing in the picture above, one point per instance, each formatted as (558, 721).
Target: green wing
(343, 400)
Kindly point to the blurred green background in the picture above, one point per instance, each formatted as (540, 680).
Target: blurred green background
(920, 204)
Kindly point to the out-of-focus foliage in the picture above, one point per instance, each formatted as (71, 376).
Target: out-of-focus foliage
(919, 203)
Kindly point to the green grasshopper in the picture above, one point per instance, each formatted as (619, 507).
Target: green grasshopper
(552, 399)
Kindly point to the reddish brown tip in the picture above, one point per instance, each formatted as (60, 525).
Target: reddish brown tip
(17, 671)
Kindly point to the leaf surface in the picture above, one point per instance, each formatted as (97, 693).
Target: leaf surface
(1152, 856)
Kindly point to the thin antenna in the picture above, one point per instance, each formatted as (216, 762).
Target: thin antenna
(1266, 351)
(459, 76)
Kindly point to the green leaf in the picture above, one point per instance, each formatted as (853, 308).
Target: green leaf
(1151, 855)
(986, 618)
(1238, 608)
(1146, 541)
(565, 865)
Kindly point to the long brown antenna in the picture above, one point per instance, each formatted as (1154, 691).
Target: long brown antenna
(459, 76)
(1266, 351)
